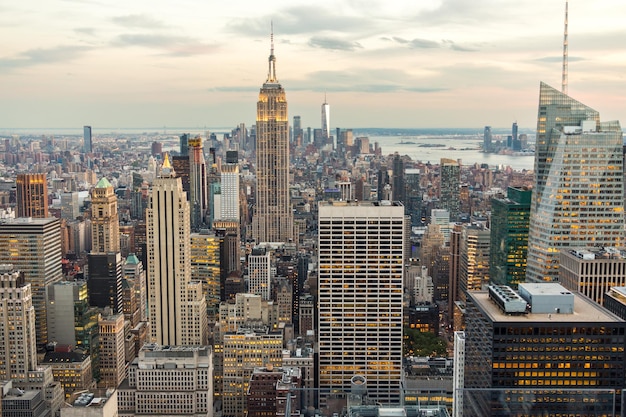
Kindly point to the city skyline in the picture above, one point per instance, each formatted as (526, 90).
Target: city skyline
(434, 64)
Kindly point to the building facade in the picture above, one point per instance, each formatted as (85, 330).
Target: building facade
(360, 297)
(32, 195)
(105, 225)
(578, 198)
(273, 221)
(178, 308)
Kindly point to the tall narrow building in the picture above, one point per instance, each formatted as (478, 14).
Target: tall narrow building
(450, 187)
(273, 221)
(198, 197)
(326, 122)
(87, 143)
(105, 226)
(32, 195)
(578, 199)
(177, 306)
(360, 297)
(229, 204)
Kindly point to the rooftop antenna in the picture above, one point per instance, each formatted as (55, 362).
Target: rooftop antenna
(565, 43)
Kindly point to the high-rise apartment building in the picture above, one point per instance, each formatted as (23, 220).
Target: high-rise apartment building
(273, 221)
(105, 229)
(510, 217)
(33, 246)
(361, 266)
(541, 351)
(578, 198)
(198, 190)
(32, 195)
(178, 308)
(487, 139)
(450, 187)
(87, 142)
(17, 325)
(112, 357)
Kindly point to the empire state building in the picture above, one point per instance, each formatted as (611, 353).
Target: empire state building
(273, 221)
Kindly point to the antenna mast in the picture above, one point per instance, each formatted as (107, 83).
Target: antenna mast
(565, 44)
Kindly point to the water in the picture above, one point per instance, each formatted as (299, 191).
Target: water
(465, 147)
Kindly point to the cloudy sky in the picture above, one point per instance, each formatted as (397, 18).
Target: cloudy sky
(380, 63)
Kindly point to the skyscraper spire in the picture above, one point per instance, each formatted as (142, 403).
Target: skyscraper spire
(271, 75)
(565, 44)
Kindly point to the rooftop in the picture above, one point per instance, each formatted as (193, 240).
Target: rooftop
(585, 311)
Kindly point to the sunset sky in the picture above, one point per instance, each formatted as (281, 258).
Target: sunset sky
(380, 63)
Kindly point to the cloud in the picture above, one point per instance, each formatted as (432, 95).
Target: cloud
(299, 20)
(551, 59)
(424, 43)
(333, 44)
(138, 21)
(381, 80)
(40, 56)
(85, 31)
(419, 43)
(178, 46)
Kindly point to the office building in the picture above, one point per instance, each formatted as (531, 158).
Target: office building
(474, 259)
(541, 351)
(71, 369)
(326, 122)
(70, 205)
(17, 325)
(510, 218)
(133, 272)
(260, 272)
(88, 404)
(105, 229)
(32, 195)
(104, 271)
(169, 380)
(361, 266)
(268, 389)
(450, 187)
(298, 133)
(578, 197)
(87, 141)
(229, 204)
(178, 308)
(33, 246)
(71, 320)
(112, 357)
(205, 268)
(198, 189)
(441, 217)
(487, 139)
(17, 403)
(245, 350)
(615, 301)
(398, 180)
(273, 220)
(592, 272)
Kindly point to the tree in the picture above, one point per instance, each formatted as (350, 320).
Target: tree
(418, 343)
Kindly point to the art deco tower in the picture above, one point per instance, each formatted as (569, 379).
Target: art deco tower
(177, 307)
(273, 221)
(578, 199)
(105, 226)
(197, 182)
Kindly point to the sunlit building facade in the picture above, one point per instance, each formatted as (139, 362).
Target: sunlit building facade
(31, 195)
(578, 198)
(273, 221)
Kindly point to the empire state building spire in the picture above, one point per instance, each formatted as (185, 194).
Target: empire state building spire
(271, 74)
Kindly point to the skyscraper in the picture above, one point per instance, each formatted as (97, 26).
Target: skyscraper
(105, 234)
(510, 218)
(487, 138)
(273, 221)
(578, 199)
(326, 122)
(87, 144)
(32, 195)
(360, 297)
(229, 204)
(177, 306)
(33, 246)
(17, 325)
(450, 188)
(198, 196)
